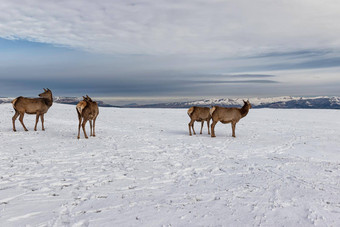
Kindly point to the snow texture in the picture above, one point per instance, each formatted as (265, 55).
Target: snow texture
(143, 169)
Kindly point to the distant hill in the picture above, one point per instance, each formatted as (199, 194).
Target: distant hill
(75, 100)
(286, 102)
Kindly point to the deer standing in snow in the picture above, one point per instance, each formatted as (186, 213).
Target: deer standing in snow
(87, 111)
(38, 106)
(199, 114)
(228, 115)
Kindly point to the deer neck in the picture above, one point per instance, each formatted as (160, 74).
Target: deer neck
(49, 101)
(244, 111)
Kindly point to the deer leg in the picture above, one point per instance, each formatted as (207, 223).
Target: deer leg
(208, 122)
(90, 127)
(13, 120)
(191, 125)
(79, 119)
(193, 128)
(202, 122)
(21, 119)
(94, 127)
(42, 122)
(83, 126)
(233, 126)
(36, 121)
(213, 128)
(79, 128)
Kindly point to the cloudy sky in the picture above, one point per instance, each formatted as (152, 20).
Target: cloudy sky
(179, 49)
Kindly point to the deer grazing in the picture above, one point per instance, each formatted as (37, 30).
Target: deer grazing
(38, 106)
(87, 111)
(228, 115)
(199, 114)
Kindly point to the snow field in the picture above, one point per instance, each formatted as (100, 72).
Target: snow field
(143, 169)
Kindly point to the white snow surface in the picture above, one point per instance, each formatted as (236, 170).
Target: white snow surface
(143, 169)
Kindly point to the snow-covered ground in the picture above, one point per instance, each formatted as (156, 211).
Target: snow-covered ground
(143, 169)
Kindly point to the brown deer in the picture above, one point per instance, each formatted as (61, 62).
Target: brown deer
(38, 106)
(87, 111)
(199, 114)
(228, 115)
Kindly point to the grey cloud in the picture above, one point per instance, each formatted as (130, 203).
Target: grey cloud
(319, 63)
(251, 76)
(305, 64)
(307, 59)
(294, 54)
(161, 86)
(236, 82)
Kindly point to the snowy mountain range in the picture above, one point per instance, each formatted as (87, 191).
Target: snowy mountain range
(284, 102)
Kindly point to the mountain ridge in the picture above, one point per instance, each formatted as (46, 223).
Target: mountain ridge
(284, 102)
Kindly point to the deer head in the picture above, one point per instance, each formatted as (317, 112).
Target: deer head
(46, 94)
(247, 103)
(87, 98)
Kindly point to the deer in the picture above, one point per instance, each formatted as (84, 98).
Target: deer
(37, 106)
(87, 110)
(228, 115)
(199, 114)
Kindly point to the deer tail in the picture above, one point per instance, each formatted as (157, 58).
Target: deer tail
(79, 110)
(191, 110)
(13, 102)
(80, 106)
(212, 109)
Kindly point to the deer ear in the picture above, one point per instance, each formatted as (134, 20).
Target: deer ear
(44, 89)
(84, 97)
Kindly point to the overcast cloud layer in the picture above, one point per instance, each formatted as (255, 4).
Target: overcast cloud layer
(176, 46)
(176, 27)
